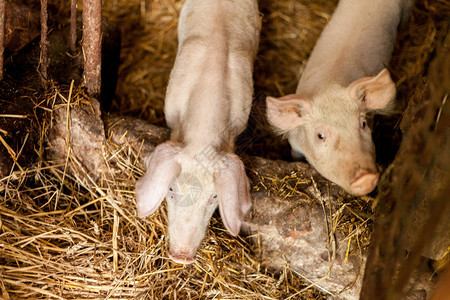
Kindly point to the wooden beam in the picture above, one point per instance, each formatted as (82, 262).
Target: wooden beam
(92, 16)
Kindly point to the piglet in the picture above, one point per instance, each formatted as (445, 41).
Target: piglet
(207, 105)
(344, 79)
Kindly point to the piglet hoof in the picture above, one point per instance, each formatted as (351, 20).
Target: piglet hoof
(364, 184)
(181, 258)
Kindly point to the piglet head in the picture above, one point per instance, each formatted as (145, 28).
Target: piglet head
(330, 129)
(193, 192)
(195, 195)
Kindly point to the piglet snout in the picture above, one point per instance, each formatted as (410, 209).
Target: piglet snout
(182, 257)
(364, 183)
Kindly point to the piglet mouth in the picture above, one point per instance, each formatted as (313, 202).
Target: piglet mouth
(364, 183)
(181, 257)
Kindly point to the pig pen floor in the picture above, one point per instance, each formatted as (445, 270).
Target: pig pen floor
(60, 239)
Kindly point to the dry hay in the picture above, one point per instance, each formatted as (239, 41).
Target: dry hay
(352, 216)
(61, 238)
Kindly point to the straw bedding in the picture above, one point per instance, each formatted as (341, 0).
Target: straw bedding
(63, 238)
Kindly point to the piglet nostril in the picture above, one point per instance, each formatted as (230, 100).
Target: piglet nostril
(364, 184)
(181, 258)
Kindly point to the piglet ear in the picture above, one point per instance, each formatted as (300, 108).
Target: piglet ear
(376, 91)
(162, 169)
(233, 191)
(287, 112)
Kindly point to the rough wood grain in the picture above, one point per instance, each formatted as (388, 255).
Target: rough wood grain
(92, 38)
(44, 43)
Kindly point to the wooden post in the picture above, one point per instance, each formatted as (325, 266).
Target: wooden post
(92, 14)
(414, 191)
(44, 42)
(73, 25)
(2, 34)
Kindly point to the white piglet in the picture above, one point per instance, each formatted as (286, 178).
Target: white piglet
(207, 105)
(344, 78)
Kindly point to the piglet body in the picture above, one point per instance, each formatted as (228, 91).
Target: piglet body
(207, 105)
(344, 78)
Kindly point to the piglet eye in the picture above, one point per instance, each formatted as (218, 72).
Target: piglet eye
(363, 124)
(171, 189)
(320, 136)
(212, 199)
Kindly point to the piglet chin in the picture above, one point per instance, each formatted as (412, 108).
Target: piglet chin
(364, 184)
(181, 258)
